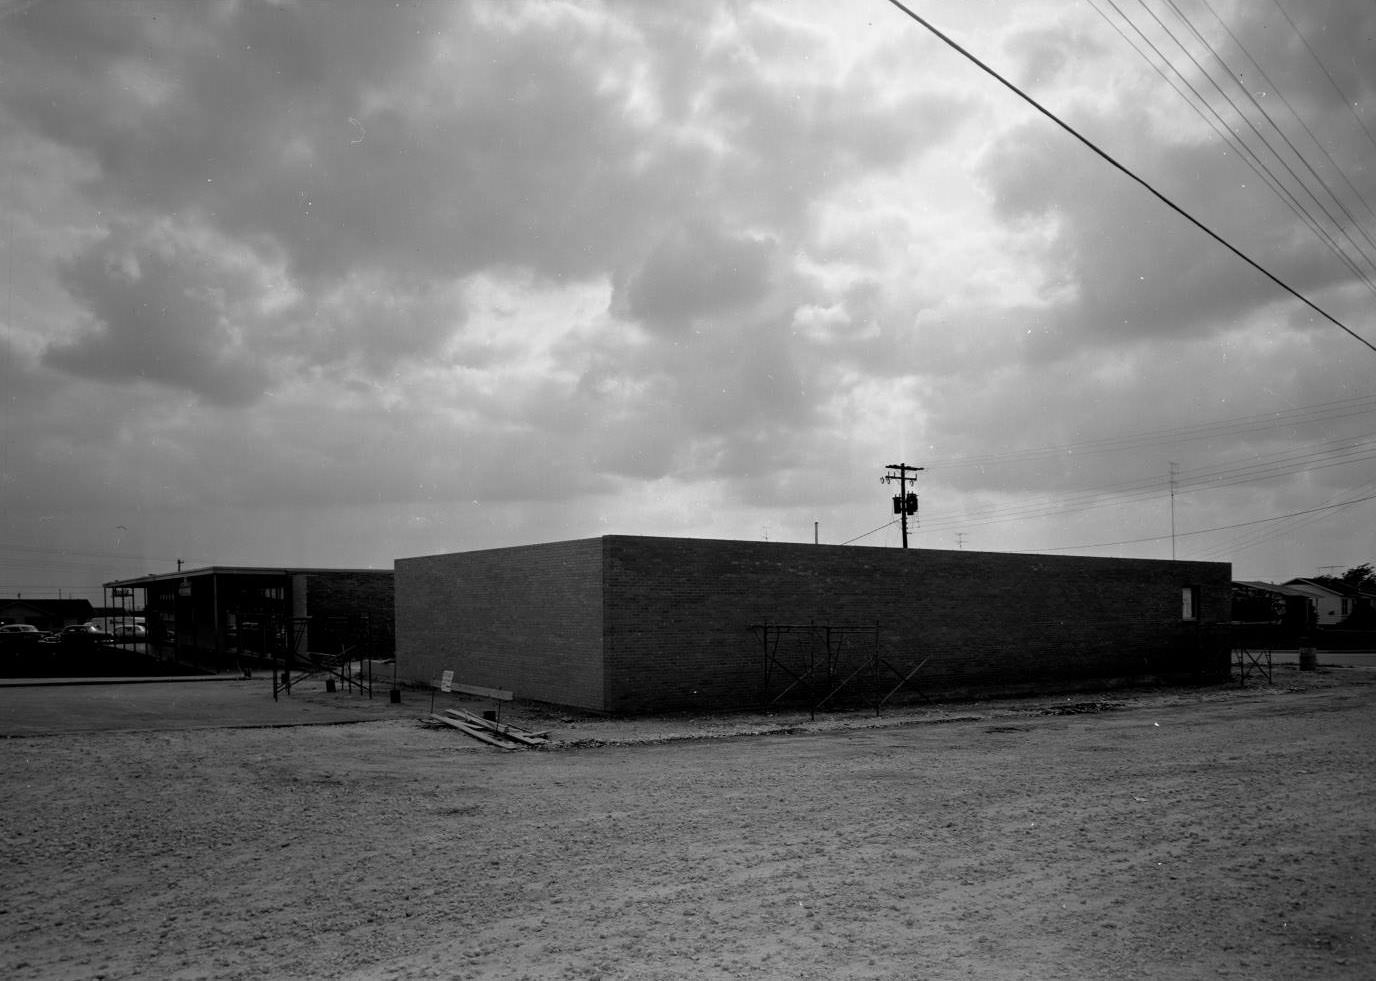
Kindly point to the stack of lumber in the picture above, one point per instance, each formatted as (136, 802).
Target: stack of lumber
(499, 734)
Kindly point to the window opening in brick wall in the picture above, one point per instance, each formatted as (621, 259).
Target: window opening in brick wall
(1189, 603)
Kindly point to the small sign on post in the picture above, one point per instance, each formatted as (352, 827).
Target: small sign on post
(446, 686)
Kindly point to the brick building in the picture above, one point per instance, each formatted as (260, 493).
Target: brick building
(46, 614)
(633, 624)
(226, 615)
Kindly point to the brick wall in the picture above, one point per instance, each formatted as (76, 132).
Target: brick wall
(527, 619)
(628, 624)
(679, 613)
(338, 600)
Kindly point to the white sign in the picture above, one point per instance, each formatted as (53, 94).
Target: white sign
(447, 681)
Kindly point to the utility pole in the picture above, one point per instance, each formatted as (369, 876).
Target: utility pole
(905, 503)
(960, 539)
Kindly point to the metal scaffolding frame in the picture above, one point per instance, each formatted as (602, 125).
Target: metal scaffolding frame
(1250, 661)
(295, 664)
(1252, 644)
(825, 662)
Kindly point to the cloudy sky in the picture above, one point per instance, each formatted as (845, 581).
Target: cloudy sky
(329, 284)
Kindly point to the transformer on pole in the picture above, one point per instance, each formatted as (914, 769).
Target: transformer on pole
(904, 502)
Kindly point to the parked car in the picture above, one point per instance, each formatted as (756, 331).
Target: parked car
(16, 638)
(84, 633)
(124, 630)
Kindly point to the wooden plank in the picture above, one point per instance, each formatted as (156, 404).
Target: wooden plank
(501, 742)
(505, 729)
(514, 732)
(497, 694)
(478, 733)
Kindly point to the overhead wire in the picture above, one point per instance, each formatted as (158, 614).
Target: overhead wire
(1132, 175)
(65, 565)
(1234, 76)
(1300, 415)
(1254, 471)
(1275, 181)
(1205, 531)
(887, 524)
(83, 553)
(1149, 488)
(1224, 130)
(1294, 113)
(1347, 102)
(1152, 490)
(1255, 538)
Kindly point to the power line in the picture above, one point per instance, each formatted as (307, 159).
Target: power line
(1349, 103)
(81, 553)
(1261, 111)
(1322, 411)
(1254, 538)
(1318, 143)
(1148, 488)
(1254, 161)
(1199, 103)
(1228, 73)
(887, 524)
(1207, 531)
(1111, 161)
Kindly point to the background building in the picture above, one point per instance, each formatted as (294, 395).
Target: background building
(46, 614)
(222, 616)
(632, 624)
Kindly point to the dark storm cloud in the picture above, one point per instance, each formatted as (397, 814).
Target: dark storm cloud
(370, 149)
(157, 320)
(1139, 270)
(1329, 38)
(697, 272)
(1127, 267)
(300, 256)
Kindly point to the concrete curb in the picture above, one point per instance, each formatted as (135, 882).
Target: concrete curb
(151, 679)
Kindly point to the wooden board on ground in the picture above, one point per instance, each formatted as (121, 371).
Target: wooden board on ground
(477, 732)
(523, 736)
(496, 694)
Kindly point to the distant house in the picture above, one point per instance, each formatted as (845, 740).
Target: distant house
(1266, 602)
(46, 614)
(223, 615)
(1333, 603)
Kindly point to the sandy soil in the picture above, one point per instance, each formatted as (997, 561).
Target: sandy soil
(1214, 833)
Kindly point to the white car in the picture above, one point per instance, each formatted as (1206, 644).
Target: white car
(121, 627)
(19, 628)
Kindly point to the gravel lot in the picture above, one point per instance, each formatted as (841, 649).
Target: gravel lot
(1218, 832)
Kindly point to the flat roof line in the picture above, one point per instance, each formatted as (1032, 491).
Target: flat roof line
(232, 570)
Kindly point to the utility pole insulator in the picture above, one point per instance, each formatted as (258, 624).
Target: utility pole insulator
(905, 501)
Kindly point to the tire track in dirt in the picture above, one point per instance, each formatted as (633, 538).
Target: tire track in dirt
(1191, 838)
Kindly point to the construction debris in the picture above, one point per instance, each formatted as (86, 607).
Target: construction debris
(499, 734)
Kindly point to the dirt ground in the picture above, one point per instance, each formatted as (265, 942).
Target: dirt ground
(1220, 832)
